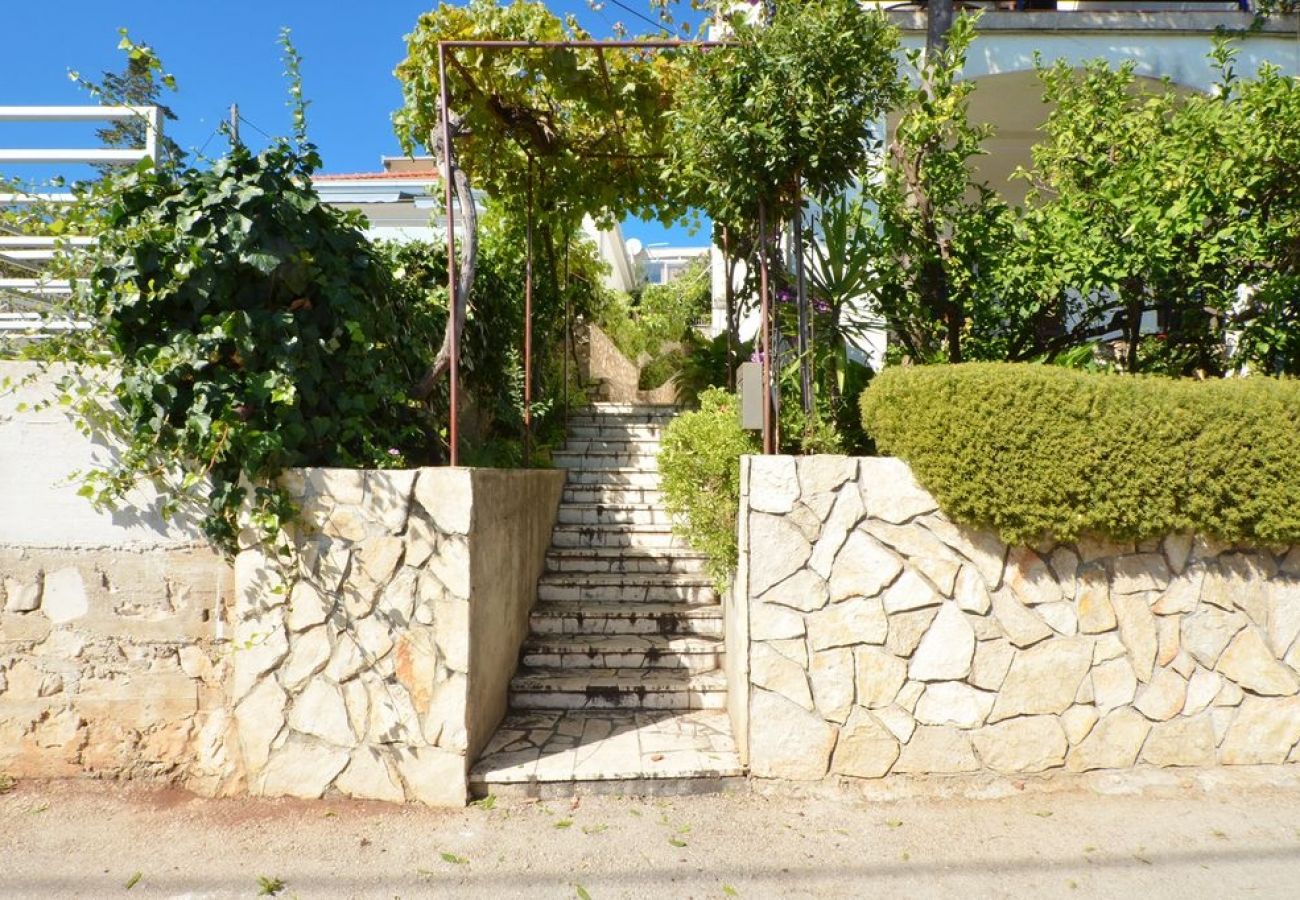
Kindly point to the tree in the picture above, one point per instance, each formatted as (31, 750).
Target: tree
(140, 83)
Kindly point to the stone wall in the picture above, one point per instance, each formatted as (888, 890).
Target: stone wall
(111, 656)
(357, 673)
(883, 639)
(619, 377)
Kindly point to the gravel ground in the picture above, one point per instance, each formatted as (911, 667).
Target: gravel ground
(1178, 838)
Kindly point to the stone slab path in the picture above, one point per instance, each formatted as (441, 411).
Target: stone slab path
(621, 675)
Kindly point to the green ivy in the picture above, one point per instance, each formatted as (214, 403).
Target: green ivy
(700, 469)
(1036, 451)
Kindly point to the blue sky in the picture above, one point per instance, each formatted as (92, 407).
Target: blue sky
(226, 52)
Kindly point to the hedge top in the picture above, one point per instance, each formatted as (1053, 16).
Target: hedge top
(1036, 451)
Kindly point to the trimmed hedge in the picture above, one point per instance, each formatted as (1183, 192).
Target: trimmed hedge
(1036, 451)
(700, 467)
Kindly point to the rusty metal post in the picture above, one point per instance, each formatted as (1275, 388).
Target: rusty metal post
(528, 325)
(765, 311)
(453, 425)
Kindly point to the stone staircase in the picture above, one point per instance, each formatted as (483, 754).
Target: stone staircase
(620, 680)
(625, 618)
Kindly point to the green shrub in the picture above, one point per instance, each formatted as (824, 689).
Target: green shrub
(700, 467)
(1035, 451)
(662, 369)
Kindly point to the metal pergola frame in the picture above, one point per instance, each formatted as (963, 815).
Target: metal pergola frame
(445, 50)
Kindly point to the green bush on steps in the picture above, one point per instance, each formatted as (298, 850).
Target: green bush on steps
(1035, 451)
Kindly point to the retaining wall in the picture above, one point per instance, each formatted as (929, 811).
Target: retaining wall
(880, 638)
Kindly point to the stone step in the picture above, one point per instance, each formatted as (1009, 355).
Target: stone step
(636, 537)
(612, 514)
(627, 478)
(619, 560)
(545, 688)
(626, 618)
(610, 495)
(646, 462)
(623, 651)
(652, 410)
(632, 588)
(612, 431)
(628, 446)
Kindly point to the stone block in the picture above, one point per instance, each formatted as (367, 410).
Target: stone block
(1137, 629)
(388, 497)
(971, 593)
(433, 776)
(1263, 731)
(910, 591)
(820, 476)
(866, 748)
(879, 676)
(320, 711)
(302, 768)
(1208, 631)
(1096, 615)
(1181, 742)
(831, 674)
(1163, 697)
(447, 497)
(1140, 573)
(983, 549)
(804, 590)
(1060, 617)
(773, 484)
(845, 515)
(890, 492)
(1022, 627)
(1029, 578)
(1249, 662)
(370, 775)
(906, 630)
(1114, 684)
(1077, 722)
(63, 596)
(786, 740)
(937, 750)
(862, 568)
(22, 595)
(1043, 679)
(953, 703)
(846, 624)
(1113, 743)
(774, 672)
(1028, 744)
(990, 664)
(770, 623)
(259, 719)
(308, 654)
(450, 564)
(946, 650)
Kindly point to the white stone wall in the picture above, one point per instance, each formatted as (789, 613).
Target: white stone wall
(884, 639)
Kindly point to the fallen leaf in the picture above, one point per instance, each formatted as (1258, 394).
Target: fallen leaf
(134, 880)
(453, 859)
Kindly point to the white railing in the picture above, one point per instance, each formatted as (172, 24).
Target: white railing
(26, 303)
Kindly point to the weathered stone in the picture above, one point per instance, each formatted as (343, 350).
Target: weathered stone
(1229, 694)
(447, 497)
(1208, 631)
(862, 569)
(982, 548)
(308, 654)
(1093, 547)
(1183, 663)
(898, 720)
(393, 719)
(1163, 697)
(1085, 694)
(307, 607)
(434, 776)
(302, 768)
(1108, 646)
(450, 565)
(1168, 642)
(793, 743)
(942, 573)
(769, 623)
(345, 523)
(342, 486)
(1096, 615)
(347, 659)
(319, 711)
(1029, 744)
(773, 484)
(1077, 721)
(452, 635)
(398, 598)
(195, 663)
(1263, 732)
(856, 621)
(845, 515)
(1177, 549)
(259, 646)
(1029, 578)
(1183, 592)
(971, 593)
(795, 650)
(909, 695)
(1180, 742)
(821, 476)
(1065, 566)
(1137, 629)
(1250, 663)
(22, 596)
(953, 703)
(1043, 679)
(421, 541)
(444, 722)
(879, 676)
(906, 630)
(910, 591)
(866, 749)
(1283, 616)
(259, 718)
(1022, 627)
(332, 567)
(890, 491)
(357, 700)
(937, 750)
(779, 550)
(388, 496)
(945, 651)
(804, 590)
(992, 660)
(1139, 574)
(1202, 688)
(1060, 617)
(1113, 684)
(831, 674)
(63, 597)
(370, 776)
(1113, 743)
(769, 669)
